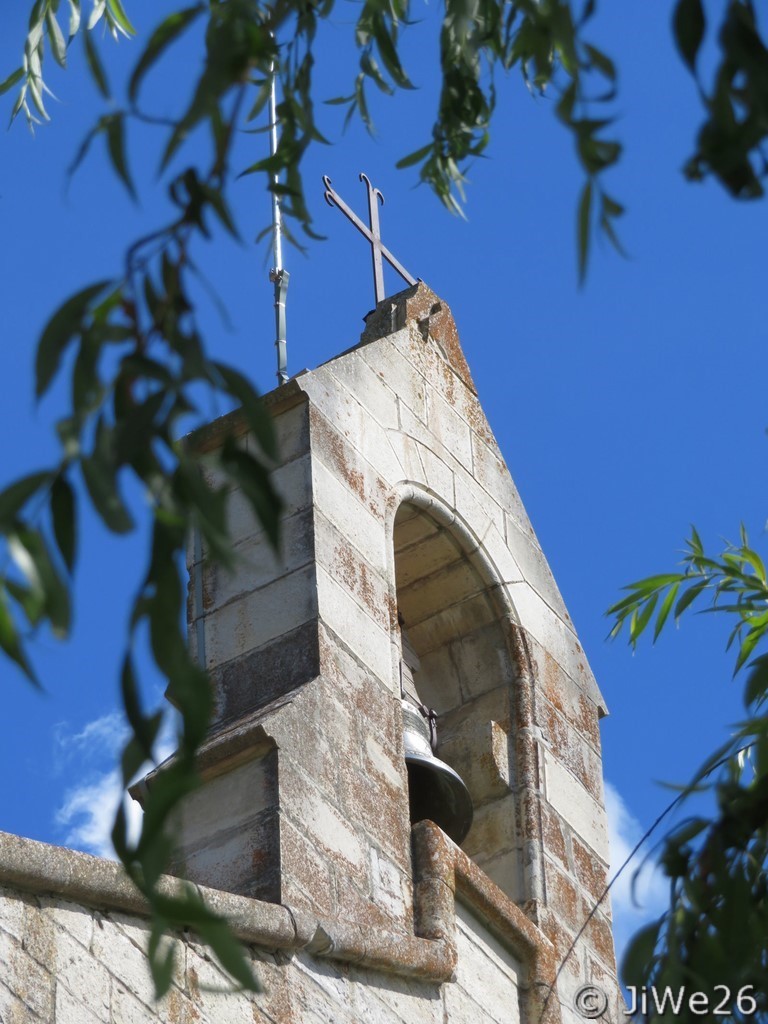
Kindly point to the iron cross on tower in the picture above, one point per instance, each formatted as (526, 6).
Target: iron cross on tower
(372, 233)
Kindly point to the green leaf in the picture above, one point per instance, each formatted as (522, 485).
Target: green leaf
(666, 607)
(145, 729)
(30, 553)
(65, 323)
(56, 38)
(635, 967)
(95, 67)
(231, 953)
(74, 18)
(115, 130)
(651, 583)
(755, 561)
(641, 620)
(756, 686)
(17, 494)
(117, 11)
(748, 645)
(11, 80)
(254, 410)
(161, 961)
(254, 481)
(687, 831)
(689, 26)
(10, 642)
(584, 215)
(64, 521)
(99, 472)
(97, 13)
(416, 157)
(165, 33)
(601, 61)
(689, 597)
(216, 200)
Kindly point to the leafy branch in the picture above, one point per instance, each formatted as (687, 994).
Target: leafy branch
(731, 142)
(713, 933)
(734, 583)
(246, 40)
(137, 360)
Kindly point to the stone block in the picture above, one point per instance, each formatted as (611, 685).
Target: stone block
(573, 803)
(260, 616)
(555, 636)
(573, 752)
(26, 979)
(258, 564)
(487, 971)
(248, 683)
(493, 830)
(506, 870)
(443, 626)
(492, 475)
(354, 626)
(70, 1010)
(243, 860)
(564, 899)
(230, 800)
(438, 683)
(535, 568)
(82, 974)
(125, 961)
(322, 823)
(12, 1009)
(74, 919)
(403, 1001)
(449, 429)
(347, 567)
(350, 516)
(12, 912)
(590, 872)
(476, 507)
(378, 400)
(307, 880)
(564, 694)
(396, 372)
(342, 457)
(292, 432)
(434, 552)
(412, 526)
(389, 888)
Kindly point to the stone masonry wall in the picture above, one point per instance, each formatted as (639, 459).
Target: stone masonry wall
(77, 955)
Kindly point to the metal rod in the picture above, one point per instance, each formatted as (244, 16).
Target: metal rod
(277, 223)
(373, 219)
(278, 274)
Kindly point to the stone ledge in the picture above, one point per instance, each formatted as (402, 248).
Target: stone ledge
(442, 873)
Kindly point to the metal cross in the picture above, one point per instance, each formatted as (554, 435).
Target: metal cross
(372, 233)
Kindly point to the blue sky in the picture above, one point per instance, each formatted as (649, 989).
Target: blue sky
(626, 409)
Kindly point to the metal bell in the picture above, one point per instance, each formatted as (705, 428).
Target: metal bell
(435, 790)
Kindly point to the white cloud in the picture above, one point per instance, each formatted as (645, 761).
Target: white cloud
(636, 898)
(87, 812)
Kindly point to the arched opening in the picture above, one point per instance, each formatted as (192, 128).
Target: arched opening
(455, 660)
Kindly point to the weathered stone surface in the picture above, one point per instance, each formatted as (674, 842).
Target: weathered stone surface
(254, 680)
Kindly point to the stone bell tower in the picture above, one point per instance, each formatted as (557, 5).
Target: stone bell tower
(410, 578)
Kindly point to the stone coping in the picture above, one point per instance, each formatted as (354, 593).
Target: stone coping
(442, 874)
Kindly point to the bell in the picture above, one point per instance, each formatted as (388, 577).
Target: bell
(435, 790)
